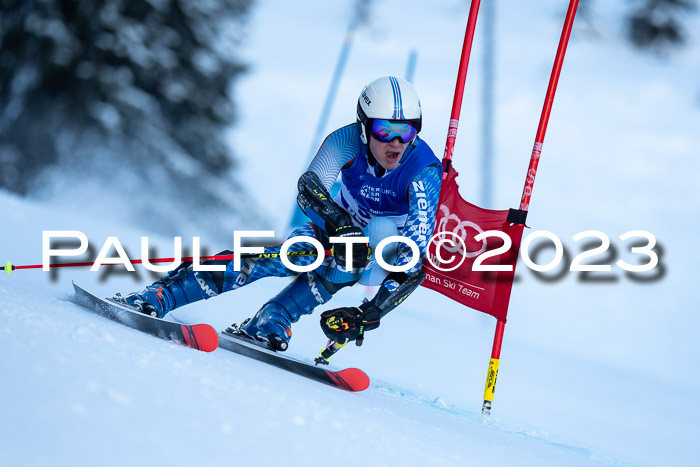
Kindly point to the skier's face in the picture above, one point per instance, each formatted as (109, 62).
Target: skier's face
(388, 154)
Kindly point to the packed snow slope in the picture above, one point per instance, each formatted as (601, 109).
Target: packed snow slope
(595, 369)
(79, 389)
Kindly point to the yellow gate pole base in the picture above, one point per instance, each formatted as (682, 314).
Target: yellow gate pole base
(490, 389)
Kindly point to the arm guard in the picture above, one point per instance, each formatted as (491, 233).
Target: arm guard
(315, 200)
(386, 300)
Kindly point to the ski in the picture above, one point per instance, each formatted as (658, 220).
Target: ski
(350, 379)
(198, 336)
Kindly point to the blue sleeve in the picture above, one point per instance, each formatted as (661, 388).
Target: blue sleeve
(423, 197)
(338, 149)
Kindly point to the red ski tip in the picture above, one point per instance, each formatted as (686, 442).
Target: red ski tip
(353, 379)
(201, 337)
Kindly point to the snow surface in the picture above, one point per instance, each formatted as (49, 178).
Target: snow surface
(592, 372)
(92, 392)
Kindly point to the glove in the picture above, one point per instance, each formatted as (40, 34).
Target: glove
(360, 251)
(350, 323)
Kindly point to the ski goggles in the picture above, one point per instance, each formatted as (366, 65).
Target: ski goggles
(386, 130)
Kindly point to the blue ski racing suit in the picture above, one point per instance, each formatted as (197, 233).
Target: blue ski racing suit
(380, 202)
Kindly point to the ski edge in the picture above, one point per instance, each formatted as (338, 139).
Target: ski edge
(201, 337)
(349, 379)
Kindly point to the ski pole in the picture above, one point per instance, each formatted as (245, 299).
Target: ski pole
(9, 267)
(328, 352)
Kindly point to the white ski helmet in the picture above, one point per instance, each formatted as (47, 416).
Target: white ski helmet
(388, 98)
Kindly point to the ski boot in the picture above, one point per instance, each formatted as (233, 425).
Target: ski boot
(179, 287)
(272, 324)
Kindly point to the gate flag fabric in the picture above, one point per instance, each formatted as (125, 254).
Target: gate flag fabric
(457, 223)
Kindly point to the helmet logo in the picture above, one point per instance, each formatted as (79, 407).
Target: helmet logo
(366, 98)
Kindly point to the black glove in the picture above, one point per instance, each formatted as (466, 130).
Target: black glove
(350, 323)
(360, 251)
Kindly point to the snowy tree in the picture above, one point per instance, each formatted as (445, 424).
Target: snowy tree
(140, 88)
(658, 24)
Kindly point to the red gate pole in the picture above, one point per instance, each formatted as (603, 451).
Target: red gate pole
(527, 190)
(459, 87)
(547, 108)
